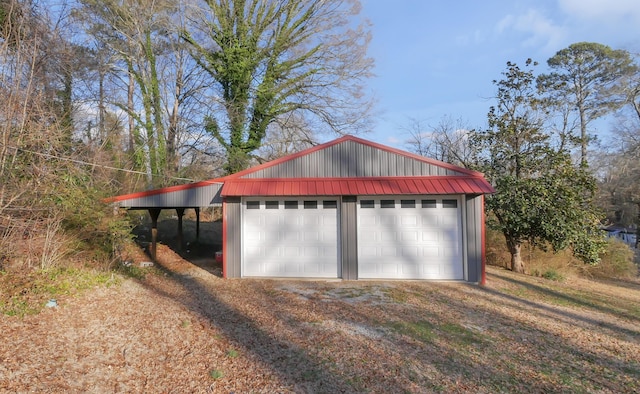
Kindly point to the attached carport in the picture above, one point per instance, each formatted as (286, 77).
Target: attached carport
(179, 198)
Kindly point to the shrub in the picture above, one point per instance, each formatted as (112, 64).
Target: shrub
(552, 274)
(617, 262)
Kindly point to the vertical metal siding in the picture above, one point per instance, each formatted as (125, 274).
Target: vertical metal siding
(350, 159)
(233, 248)
(473, 222)
(348, 238)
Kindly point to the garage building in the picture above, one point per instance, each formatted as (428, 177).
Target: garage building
(349, 209)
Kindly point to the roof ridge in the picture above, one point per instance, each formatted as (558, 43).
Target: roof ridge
(359, 140)
(289, 157)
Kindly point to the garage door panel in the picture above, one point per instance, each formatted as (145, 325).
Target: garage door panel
(410, 241)
(429, 220)
(367, 221)
(309, 220)
(409, 221)
(411, 252)
(290, 242)
(370, 234)
(447, 221)
(430, 236)
(388, 251)
(270, 266)
(309, 236)
(410, 236)
(389, 268)
(291, 251)
(312, 251)
(290, 235)
(329, 219)
(268, 220)
(387, 219)
(288, 220)
(254, 236)
(431, 271)
(410, 270)
(387, 236)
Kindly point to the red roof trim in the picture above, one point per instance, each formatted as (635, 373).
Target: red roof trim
(163, 190)
(360, 141)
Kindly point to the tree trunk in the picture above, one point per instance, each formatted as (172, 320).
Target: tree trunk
(638, 228)
(132, 140)
(515, 248)
(584, 141)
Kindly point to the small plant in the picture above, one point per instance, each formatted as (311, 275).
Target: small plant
(132, 271)
(554, 275)
(40, 285)
(216, 374)
(18, 307)
(233, 353)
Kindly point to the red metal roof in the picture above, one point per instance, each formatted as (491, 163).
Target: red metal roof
(356, 186)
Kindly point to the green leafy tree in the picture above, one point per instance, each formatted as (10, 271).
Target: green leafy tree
(583, 80)
(272, 59)
(540, 196)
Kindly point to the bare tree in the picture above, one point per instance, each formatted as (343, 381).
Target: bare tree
(151, 77)
(44, 191)
(447, 141)
(287, 135)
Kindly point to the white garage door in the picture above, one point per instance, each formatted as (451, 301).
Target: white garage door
(410, 238)
(292, 237)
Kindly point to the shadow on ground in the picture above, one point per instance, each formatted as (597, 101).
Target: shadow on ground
(199, 249)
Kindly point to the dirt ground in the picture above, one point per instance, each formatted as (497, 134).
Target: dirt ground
(198, 249)
(183, 329)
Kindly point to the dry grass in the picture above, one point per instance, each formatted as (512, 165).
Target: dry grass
(618, 262)
(181, 329)
(37, 244)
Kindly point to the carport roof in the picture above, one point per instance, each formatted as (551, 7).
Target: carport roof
(198, 194)
(356, 186)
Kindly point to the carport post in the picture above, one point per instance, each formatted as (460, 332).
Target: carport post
(180, 212)
(197, 223)
(154, 213)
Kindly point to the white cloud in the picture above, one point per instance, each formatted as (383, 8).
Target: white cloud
(540, 31)
(608, 12)
(611, 22)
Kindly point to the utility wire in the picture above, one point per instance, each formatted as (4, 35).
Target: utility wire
(69, 159)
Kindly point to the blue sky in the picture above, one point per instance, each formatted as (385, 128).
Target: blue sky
(438, 57)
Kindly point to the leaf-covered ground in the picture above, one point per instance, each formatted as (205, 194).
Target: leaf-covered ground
(182, 329)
